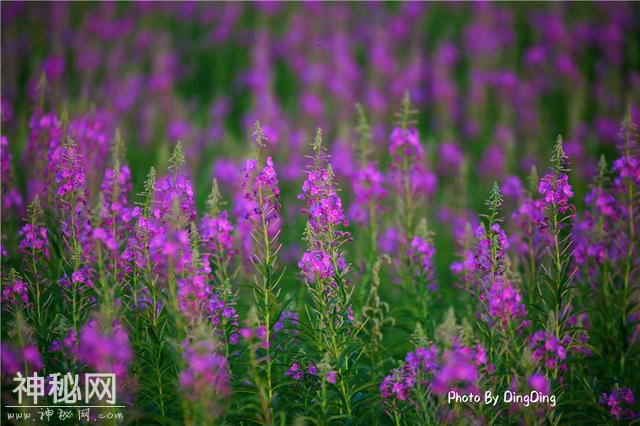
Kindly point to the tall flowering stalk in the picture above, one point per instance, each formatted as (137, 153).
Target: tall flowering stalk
(531, 239)
(626, 187)
(416, 267)
(146, 299)
(369, 192)
(406, 153)
(216, 232)
(419, 269)
(71, 197)
(135, 259)
(34, 244)
(260, 189)
(368, 187)
(217, 249)
(325, 268)
(557, 211)
(115, 213)
(112, 222)
(502, 313)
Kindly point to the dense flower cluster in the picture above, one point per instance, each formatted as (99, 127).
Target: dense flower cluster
(417, 370)
(590, 244)
(14, 293)
(34, 241)
(80, 279)
(216, 234)
(504, 301)
(318, 266)
(171, 191)
(619, 402)
(626, 167)
(485, 260)
(69, 175)
(261, 191)
(550, 351)
(222, 312)
(421, 253)
(556, 191)
(324, 206)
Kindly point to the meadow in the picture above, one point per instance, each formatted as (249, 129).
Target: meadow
(367, 213)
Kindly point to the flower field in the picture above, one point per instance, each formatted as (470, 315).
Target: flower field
(320, 213)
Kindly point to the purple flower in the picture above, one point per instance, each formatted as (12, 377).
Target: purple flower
(317, 266)
(539, 383)
(389, 240)
(459, 371)
(324, 206)
(205, 378)
(194, 293)
(69, 176)
(331, 377)
(11, 197)
(295, 371)
(173, 190)
(68, 345)
(548, 350)
(603, 201)
(556, 191)
(618, 401)
(451, 159)
(15, 360)
(81, 279)
(34, 241)
(405, 145)
(44, 143)
(421, 253)
(116, 214)
(367, 189)
(417, 370)
(512, 188)
(246, 333)
(215, 233)
(14, 292)
(627, 167)
(504, 302)
(289, 321)
(105, 351)
(261, 192)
